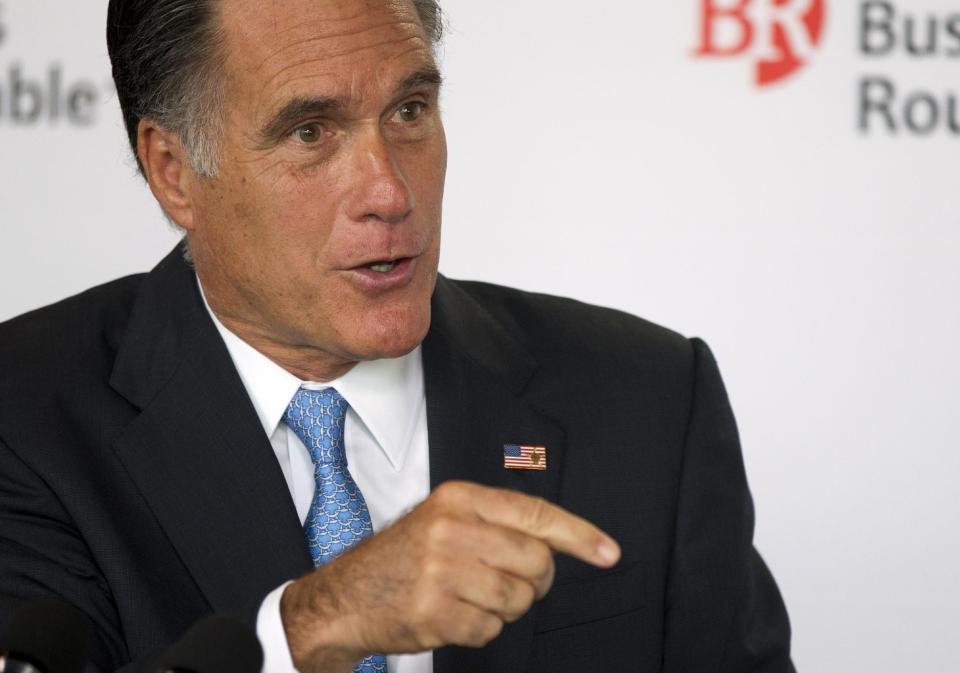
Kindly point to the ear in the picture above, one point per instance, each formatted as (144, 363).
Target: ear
(167, 168)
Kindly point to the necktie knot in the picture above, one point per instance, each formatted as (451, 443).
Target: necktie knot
(317, 417)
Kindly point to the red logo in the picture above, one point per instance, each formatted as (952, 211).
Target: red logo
(780, 35)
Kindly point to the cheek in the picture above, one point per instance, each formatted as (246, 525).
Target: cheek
(425, 167)
(300, 209)
(285, 222)
(239, 240)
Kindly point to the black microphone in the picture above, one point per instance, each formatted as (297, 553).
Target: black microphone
(46, 636)
(215, 644)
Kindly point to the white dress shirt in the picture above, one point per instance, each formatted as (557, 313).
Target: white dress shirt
(387, 453)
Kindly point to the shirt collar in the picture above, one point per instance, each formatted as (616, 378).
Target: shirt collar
(386, 395)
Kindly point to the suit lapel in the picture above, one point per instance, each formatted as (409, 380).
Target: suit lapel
(475, 373)
(198, 453)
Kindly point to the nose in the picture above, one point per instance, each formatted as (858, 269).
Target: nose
(380, 190)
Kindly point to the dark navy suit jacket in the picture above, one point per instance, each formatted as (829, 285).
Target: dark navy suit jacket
(136, 481)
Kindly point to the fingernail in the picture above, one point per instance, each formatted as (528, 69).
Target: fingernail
(608, 552)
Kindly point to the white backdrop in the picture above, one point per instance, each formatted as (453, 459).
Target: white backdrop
(594, 155)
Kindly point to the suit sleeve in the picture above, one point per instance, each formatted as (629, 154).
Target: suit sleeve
(724, 613)
(43, 556)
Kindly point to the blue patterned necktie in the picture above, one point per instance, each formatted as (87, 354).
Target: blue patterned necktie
(338, 518)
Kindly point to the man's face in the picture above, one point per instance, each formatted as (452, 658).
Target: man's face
(321, 230)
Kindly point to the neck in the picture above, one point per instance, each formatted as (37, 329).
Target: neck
(307, 363)
(304, 362)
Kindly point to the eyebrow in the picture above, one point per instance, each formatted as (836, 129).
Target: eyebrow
(425, 77)
(301, 108)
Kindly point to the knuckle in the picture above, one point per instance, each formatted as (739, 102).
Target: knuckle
(428, 629)
(442, 528)
(442, 492)
(474, 631)
(472, 634)
(504, 591)
(424, 610)
(450, 493)
(542, 558)
(522, 599)
(458, 633)
(478, 632)
(448, 631)
(537, 512)
(549, 576)
(526, 594)
(500, 496)
(433, 570)
(420, 612)
(430, 619)
(487, 630)
(543, 579)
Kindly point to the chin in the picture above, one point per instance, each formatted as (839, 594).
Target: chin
(392, 333)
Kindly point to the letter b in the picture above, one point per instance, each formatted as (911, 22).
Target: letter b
(22, 92)
(731, 16)
(876, 19)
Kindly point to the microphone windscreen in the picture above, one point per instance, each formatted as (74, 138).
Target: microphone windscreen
(215, 644)
(50, 635)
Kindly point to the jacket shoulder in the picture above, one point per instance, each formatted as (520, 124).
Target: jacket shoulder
(63, 338)
(569, 332)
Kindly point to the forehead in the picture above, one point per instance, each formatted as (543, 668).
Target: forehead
(294, 47)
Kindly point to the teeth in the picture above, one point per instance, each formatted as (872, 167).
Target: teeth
(385, 267)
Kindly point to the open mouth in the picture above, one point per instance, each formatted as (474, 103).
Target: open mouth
(384, 274)
(386, 266)
(383, 267)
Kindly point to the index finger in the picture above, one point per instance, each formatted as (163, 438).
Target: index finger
(561, 530)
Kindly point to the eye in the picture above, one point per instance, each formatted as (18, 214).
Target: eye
(410, 112)
(309, 134)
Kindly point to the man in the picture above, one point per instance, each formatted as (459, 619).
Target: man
(539, 485)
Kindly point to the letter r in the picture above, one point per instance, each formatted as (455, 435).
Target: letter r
(790, 17)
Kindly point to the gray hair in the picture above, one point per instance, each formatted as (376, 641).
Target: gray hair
(167, 66)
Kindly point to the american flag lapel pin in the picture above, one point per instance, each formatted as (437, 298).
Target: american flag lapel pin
(520, 457)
